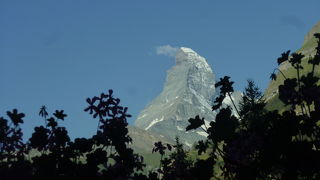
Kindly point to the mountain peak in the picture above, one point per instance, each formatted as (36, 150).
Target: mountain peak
(186, 55)
(187, 50)
(188, 91)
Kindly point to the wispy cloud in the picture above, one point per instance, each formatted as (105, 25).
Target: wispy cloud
(292, 20)
(166, 50)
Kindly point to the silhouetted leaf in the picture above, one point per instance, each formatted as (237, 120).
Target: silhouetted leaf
(296, 60)
(43, 111)
(284, 57)
(225, 85)
(110, 92)
(195, 123)
(218, 102)
(59, 114)
(52, 122)
(202, 146)
(169, 147)
(273, 76)
(159, 147)
(15, 117)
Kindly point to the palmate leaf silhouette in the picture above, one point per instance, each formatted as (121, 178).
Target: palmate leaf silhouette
(218, 102)
(225, 85)
(159, 147)
(52, 123)
(59, 114)
(91, 108)
(195, 123)
(15, 117)
(43, 111)
(273, 76)
(284, 57)
(225, 89)
(296, 60)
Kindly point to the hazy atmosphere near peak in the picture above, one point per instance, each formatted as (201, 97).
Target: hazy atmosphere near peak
(58, 53)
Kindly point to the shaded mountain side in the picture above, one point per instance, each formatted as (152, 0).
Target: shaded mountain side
(143, 143)
(308, 50)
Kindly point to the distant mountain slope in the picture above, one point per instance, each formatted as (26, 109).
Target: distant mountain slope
(308, 49)
(143, 141)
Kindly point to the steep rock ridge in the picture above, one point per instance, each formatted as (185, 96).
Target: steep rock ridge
(189, 91)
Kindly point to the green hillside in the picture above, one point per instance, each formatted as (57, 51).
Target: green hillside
(308, 50)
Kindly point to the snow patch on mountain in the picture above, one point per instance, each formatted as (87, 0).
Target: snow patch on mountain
(154, 122)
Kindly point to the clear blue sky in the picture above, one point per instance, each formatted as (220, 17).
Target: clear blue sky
(58, 53)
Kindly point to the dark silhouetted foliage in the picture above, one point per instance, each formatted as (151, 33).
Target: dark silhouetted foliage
(176, 165)
(259, 144)
(50, 154)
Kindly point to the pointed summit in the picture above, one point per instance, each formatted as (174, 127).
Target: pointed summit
(187, 50)
(187, 55)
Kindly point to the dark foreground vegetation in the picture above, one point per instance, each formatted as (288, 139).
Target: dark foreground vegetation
(252, 143)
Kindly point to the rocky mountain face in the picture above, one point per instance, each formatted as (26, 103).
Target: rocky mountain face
(189, 91)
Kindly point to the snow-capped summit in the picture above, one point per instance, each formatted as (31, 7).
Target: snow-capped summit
(187, 55)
